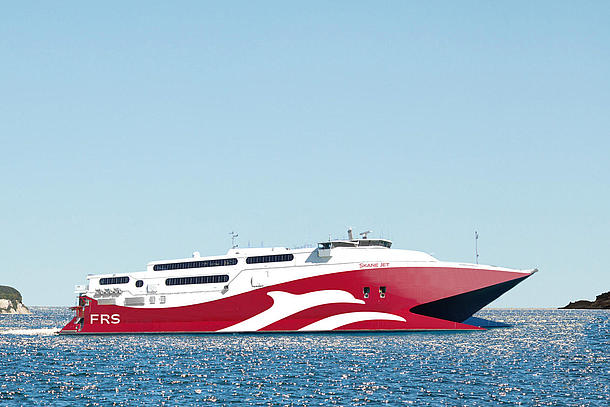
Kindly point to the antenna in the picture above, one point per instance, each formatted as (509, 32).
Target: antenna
(233, 236)
(350, 235)
(476, 247)
(365, 235)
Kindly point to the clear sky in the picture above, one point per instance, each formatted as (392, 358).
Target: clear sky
(145, 131)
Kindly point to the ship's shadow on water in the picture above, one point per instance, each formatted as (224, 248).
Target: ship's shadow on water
(547, 357)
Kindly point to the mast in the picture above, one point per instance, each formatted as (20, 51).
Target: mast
(476, 247)
(233, 236)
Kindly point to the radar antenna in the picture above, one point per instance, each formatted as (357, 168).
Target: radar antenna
(233, 236)
(365, 235)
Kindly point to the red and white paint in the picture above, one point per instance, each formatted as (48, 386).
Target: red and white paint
(306, 294)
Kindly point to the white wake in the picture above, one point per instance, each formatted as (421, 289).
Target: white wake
(37, 332)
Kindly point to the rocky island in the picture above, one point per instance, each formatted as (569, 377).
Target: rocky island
(601, 302)
(10, 301)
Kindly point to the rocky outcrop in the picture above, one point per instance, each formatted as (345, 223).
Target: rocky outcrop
(10, 301)
(601, 302)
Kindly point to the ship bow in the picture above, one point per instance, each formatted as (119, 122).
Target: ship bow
(460, 307)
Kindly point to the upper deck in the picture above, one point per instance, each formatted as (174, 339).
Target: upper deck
(182, 281)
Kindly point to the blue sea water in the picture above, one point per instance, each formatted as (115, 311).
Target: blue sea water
(547, 358)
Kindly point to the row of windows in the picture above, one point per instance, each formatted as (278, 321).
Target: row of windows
(222, 278)
(200, 264)
(222, 262)
(269, 259)
(114, 280)
(195, 264)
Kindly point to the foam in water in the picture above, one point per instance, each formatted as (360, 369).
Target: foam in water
(39, 331)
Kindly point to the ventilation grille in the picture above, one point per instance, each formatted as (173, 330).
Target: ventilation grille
(132, 301)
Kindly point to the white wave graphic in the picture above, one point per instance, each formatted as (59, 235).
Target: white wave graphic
(336, 321)
(37, 332)
(286, 304)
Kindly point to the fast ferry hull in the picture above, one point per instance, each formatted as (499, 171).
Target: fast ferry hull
(399, 299)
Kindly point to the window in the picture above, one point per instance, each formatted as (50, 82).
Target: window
(367, 291)
(269, 259)
(152, 300)
(162, 299)
(222, 278)
(379, 242)
(139, 283)
(381, 292)
(340, 243)
(114, 280)
(195, 264)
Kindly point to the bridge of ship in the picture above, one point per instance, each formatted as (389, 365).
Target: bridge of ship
(324, 248)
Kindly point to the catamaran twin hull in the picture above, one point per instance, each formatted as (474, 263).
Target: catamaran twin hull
(377, 298)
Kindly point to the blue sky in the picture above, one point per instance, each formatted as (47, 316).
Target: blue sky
(144, 131)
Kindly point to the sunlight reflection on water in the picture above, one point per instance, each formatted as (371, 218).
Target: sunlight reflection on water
(549, 357)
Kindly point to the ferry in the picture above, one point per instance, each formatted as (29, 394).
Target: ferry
(353, 284)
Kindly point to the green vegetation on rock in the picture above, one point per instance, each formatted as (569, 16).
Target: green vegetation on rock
(10, 301)
(9, 293)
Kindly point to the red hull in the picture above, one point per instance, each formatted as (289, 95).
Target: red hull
(425, 298)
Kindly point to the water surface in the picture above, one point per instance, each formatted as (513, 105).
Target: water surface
(548, 358)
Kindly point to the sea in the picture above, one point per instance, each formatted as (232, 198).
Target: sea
(546, 358)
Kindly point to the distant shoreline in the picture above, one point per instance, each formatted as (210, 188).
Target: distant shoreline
(11, 301)
(602, 301)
